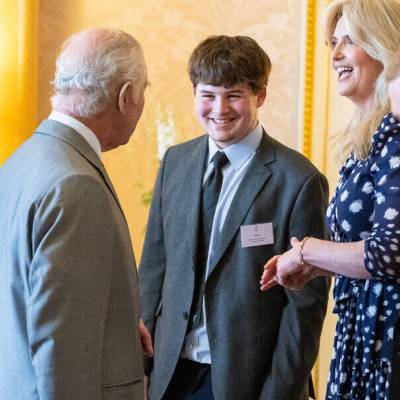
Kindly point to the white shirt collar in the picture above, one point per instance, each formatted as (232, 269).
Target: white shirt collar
(238, 152)
(82, 129)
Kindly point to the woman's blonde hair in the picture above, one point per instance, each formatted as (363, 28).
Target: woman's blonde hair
(393, 68)
(374, 26)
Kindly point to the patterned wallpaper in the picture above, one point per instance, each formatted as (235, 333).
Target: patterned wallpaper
(168, 31)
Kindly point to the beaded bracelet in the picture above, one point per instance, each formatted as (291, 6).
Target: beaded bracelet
(301, 257)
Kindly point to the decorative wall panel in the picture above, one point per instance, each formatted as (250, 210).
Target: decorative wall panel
(169, 30)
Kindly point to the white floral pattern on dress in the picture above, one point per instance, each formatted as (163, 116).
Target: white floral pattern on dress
(366, 206)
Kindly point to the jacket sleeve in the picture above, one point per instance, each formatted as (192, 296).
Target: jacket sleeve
(302, 319)
(69, 279)
(152, 265)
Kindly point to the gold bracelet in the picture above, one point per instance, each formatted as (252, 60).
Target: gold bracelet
(301, 257)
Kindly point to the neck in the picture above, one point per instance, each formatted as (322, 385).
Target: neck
(366, 105)
(98, 124)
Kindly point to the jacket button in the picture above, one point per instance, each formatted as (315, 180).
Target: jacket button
(185, 315)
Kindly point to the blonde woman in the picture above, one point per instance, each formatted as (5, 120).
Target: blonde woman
(364, 215)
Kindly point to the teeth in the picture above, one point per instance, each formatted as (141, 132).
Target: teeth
(343, 69)
(221, 120)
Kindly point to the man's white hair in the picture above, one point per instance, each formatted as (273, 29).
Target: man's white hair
(92, 67)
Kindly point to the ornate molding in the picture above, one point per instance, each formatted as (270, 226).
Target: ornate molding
(309, 77)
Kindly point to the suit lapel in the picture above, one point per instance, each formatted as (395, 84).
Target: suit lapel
(74, 139)
(191, 202)
(253, 181)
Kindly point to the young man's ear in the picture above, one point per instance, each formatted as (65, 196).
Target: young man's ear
(125, 97)
(261, 96)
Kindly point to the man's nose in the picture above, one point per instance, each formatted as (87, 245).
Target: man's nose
(221, 105)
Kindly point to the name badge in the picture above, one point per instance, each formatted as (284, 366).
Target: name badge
(257, 234)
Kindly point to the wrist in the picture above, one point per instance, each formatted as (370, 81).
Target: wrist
(302, 244)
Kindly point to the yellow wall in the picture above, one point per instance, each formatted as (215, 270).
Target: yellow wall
(18, 72)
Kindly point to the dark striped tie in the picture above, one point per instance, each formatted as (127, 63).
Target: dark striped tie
(210, 195)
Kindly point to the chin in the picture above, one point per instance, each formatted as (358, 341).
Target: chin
(345, 92)
(221, 138)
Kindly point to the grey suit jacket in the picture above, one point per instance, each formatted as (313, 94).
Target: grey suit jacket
(68, 289)
(263, 345)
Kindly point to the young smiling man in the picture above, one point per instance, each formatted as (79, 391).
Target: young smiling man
(223, 203)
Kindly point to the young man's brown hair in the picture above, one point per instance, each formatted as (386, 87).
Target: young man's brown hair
(228, 60)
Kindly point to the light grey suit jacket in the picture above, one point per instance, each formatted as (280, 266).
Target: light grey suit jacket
(68, 289)
(263, 344)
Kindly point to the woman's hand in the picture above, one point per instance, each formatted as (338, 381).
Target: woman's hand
(287, 270)
(268, 278)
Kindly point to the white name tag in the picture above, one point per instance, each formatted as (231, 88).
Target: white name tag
(257, 234)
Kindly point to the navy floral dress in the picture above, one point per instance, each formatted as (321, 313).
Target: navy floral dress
(366, 206)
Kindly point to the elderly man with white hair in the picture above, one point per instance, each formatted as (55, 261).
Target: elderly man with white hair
(69, 325)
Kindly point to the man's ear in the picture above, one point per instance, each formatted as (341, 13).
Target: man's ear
(261, 96)
(125, 97)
